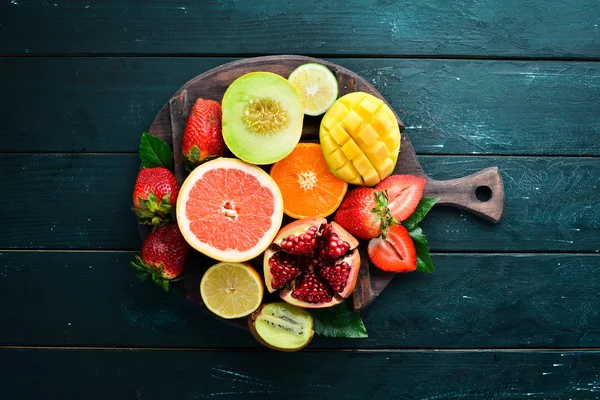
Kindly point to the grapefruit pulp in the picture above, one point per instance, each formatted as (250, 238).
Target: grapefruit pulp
(229, 210)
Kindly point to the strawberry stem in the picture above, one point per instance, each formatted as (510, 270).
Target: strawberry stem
(382, 211)
(149, 271)
(155, 212)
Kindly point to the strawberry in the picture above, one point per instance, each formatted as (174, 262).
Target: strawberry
(202, 137)
(364, 213)
(154, 195)
(163, 255)
(404, 192)
(395, 252)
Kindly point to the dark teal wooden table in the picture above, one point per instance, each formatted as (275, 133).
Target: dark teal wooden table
(512, 311)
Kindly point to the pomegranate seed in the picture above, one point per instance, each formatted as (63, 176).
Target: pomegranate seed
(331, 245)
(336, 275)
(283, 268)
(311, 290)
(303, 244)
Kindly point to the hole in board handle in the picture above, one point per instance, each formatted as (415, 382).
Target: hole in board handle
(483, 193)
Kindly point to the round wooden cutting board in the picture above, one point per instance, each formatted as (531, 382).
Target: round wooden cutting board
(462, 192)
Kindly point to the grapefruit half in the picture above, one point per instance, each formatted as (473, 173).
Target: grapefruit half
(229, 210)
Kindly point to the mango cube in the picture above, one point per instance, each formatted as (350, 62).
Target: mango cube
(371, 178)
(349, 173)
(329, 122)
(339, 135)
(392, 142)
(362, 164)
(352, 122)
(382, 123)
(328, 145)
(335, 160)
(377, 152)
(367, 136)
(385, 169)
(368, 107)
(337, 112)
(351, 149)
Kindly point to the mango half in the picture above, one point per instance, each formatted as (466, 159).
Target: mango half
(360, 139)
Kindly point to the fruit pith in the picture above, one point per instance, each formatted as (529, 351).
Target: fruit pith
(360, 139)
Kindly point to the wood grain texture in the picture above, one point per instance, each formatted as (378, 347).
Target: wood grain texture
(462, 28)
(471, 301)
(69, 201)
(519, 104)
(448, 106)
(122, 374)
(552, 203)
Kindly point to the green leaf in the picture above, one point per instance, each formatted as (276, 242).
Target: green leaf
(154, 152)
(138, 264)
(339, 321)
(165, 203)
(142, 276)
(424, 263)
(420, 212)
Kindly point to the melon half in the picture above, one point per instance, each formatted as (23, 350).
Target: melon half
(262, 117)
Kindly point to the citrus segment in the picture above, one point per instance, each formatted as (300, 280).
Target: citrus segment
(308, 187)
(360, 139)
(229, 210)
(317, 87)
(231, 290)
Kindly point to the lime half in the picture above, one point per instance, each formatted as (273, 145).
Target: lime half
(317, 87)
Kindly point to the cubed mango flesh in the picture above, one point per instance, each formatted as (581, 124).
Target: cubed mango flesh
(328, 145)
(351, 149)
(360, 139)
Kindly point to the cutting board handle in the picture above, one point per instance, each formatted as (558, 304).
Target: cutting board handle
(481, 193)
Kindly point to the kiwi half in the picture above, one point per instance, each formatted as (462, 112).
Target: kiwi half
(262, 117)
(281, 326)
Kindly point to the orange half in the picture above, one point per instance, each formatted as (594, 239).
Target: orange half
(308, 187)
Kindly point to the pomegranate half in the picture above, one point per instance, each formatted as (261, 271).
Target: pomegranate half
(313, 264)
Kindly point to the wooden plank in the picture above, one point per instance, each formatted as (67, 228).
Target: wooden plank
(448, 106)
(101, 374)
(69, 201)
(469, 28)
(552, 203)
(471, 301)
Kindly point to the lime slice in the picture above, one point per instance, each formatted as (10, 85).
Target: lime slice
(317, 87)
